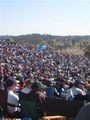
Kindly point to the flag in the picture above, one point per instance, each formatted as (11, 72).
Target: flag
(41, 47)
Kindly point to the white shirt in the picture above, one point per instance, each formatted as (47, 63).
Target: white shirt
(12, 99)
(74, 91)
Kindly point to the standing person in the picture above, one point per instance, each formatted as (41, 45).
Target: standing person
(12, 99)
(84, 113)
(38, 90)
(34, 93)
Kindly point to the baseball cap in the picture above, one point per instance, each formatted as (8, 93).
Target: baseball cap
(10, 81)
(78, 81)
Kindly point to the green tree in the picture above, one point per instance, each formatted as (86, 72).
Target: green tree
(87, 51)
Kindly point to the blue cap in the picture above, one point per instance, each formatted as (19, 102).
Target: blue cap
(78, 81)
(10, 81)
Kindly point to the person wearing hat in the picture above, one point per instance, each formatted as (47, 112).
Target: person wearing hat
(39, 89)
(12, 99)
(77, 90)
(34, 91)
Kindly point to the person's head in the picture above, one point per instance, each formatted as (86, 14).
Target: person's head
(38, 86)
(49, 83)
(11, 84)
(79, 83)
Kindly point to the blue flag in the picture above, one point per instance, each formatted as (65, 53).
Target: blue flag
(41, 47)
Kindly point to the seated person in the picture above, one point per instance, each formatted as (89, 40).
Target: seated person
(77, 92)
(51, 91)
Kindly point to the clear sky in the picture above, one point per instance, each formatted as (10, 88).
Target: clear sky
(55, 17)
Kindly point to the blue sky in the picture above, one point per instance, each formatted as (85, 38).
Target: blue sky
(56, 17)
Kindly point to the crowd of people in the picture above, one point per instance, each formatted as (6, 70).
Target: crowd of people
(46, 73)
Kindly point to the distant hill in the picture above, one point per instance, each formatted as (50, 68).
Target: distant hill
(58, 42)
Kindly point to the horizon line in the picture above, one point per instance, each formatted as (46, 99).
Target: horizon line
(43, 34)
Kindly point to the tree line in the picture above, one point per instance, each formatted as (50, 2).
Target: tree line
(58, 42)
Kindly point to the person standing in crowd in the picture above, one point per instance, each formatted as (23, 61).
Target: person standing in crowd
(35, 92)
(12, 99)
(39, 89)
